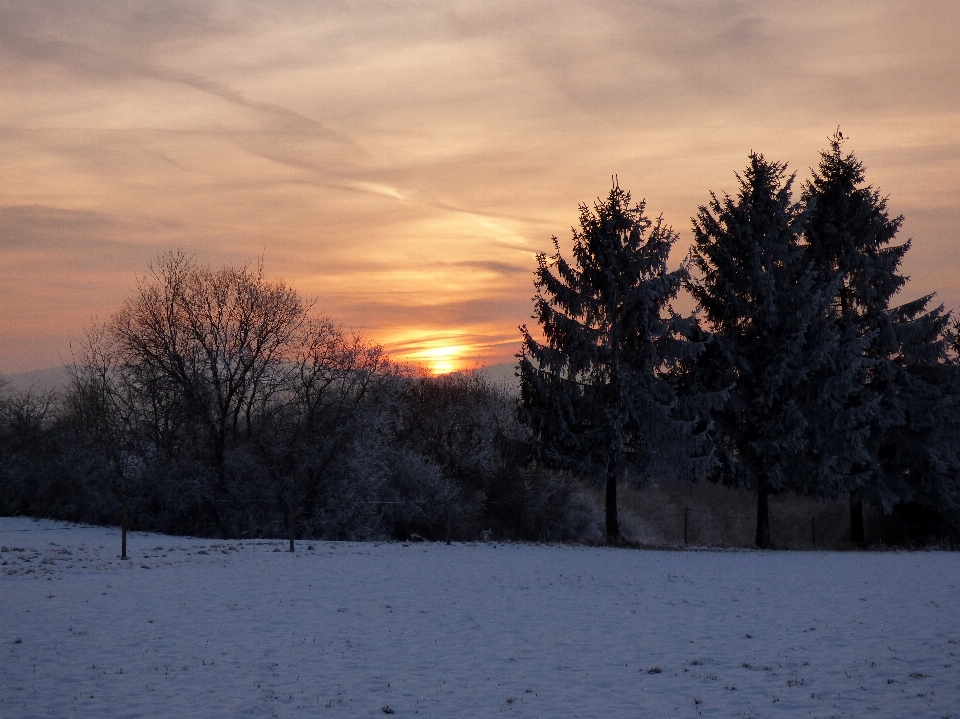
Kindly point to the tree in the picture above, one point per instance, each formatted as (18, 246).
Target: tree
(917, 448)
(598, 393)
(788, 377)
(849, 236)
(455, 421)
(192, 363)
(27, 440)
(222, 340)
(312, 417)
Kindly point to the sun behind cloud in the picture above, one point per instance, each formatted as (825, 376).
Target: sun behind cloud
(406, 182)
(441, 359)
(440, 351)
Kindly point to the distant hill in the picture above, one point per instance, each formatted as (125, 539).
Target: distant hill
(54, 379)
(51, 379)
(502, 375)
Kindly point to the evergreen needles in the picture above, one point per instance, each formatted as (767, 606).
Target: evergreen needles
(600, 391)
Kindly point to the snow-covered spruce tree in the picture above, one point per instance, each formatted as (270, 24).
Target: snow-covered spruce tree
(788, 373)
(902, 382)
(918, 449)
(598, 393)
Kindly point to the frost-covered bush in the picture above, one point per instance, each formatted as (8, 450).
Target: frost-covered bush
(380, 492)
(580, 518)
(419, 456)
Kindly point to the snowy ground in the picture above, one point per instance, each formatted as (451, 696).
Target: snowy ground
(221, 628)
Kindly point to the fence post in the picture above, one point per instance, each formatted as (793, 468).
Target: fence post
(123, 528)
(291, 520)
(813, 530)
(686, 510)
(449, 522)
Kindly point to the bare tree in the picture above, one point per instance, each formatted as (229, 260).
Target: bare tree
(311, 418)
(200, 361)
(224, 339)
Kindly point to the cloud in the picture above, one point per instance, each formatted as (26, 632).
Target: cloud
(52, 228)
(403, 162)
(56, 230)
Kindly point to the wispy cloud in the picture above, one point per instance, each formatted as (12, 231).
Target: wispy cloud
(403, 162)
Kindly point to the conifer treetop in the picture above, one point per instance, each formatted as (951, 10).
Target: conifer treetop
(597, 391)
(849, 232)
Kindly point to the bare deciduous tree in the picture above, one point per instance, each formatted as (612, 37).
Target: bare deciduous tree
(224, 339)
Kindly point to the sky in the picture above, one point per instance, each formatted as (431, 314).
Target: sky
(403, 162)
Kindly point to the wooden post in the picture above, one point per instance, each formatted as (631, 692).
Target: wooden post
(123, 528)
(686, 510)
(291, 522)
(813, 530)
(449, 522)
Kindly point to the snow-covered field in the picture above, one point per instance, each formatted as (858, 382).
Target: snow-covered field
(212, 628)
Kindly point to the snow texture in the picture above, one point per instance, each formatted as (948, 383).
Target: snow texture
(192, 627)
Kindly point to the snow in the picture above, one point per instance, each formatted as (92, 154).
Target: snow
(192, 627)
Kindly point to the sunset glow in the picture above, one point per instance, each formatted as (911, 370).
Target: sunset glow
(402, 164)
(441, 360)
(438, 352)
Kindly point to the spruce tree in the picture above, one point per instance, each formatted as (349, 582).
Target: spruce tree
(788, 377)
(902, 382)
(598, 392)
(917, 446)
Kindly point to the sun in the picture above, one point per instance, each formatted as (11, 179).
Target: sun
(436, 353)
(442, 359)
(442, 367)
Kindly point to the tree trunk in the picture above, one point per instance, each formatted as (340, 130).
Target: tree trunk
(857, 535)
(123, 528)
(291, 521)
(763, 516)
(613, 524)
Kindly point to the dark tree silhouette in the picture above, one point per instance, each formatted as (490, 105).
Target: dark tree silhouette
(598, 392)
(849, 236)
(224, 339)
(763, 304)
(312, 418)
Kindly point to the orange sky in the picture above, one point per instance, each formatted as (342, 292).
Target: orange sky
(402, 162)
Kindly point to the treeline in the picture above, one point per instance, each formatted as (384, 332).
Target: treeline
(216, 403)
(798, 372)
